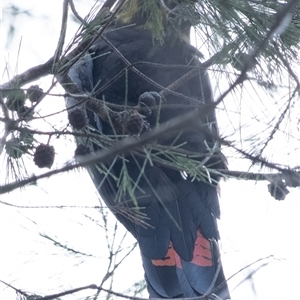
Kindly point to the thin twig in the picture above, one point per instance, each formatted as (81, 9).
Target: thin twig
(63, 30)
(39, 71)
(75, 13)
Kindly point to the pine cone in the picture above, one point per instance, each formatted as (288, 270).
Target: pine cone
(25, 113)
(82, 150)
(34, 93)
(15, 100)
(14, 148)
(77, 118)
(116, 121)
(134, 124)
(44, 156)
(278, 190)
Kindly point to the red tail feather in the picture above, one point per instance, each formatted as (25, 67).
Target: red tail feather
(202, 255)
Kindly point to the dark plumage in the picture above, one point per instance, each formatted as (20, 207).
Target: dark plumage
(179, 242)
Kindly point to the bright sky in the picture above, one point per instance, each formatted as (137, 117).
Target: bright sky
(253, 224)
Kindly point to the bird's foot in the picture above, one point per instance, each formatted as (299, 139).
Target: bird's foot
(149, 103)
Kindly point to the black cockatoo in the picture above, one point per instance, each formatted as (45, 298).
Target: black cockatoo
(171, 213)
